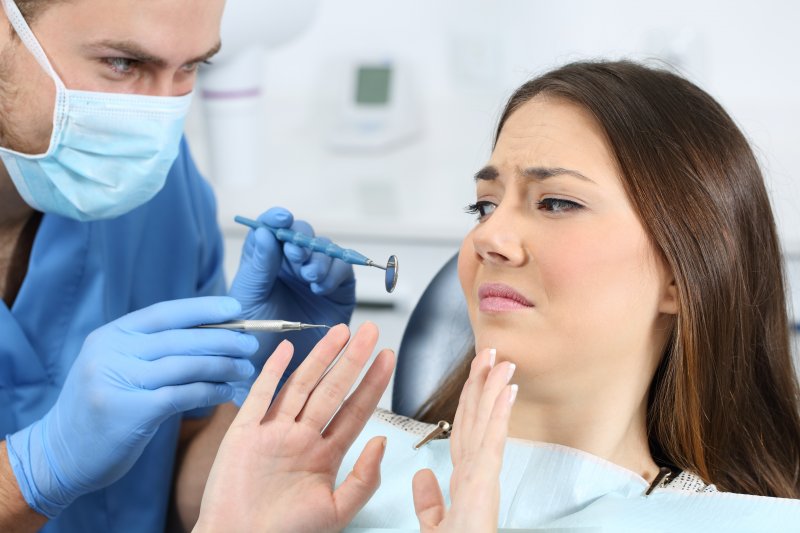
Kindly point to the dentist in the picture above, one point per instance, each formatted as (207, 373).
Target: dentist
(109, 252)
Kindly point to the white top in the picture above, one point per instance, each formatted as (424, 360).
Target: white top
(548, 486)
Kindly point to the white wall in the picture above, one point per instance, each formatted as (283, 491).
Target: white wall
(466, 56)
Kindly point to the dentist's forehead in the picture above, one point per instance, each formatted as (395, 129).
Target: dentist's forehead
(175, 32)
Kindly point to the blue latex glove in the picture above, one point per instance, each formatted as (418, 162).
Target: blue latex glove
(130, 376)
(285, 282)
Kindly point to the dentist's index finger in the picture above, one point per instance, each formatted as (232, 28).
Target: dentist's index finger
(180, 314)
(298, 255)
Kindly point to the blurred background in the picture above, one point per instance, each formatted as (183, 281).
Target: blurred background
(368, 118)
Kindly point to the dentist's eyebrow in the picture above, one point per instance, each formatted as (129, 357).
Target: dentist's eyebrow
(490, 173)
(134, 51)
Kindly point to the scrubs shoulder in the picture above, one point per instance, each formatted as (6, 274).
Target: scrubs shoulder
(82, 275)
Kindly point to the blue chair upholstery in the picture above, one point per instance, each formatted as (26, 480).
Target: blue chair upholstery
(436, 338)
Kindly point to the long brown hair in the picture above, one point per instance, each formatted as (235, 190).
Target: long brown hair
(724, 401)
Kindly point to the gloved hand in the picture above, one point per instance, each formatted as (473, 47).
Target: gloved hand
(130, 376)
(282, 281)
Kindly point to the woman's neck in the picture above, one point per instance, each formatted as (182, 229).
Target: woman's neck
(606, 427)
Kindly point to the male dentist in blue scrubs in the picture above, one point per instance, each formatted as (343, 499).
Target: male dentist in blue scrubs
(109, 254)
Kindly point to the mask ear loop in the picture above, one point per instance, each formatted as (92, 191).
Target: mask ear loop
(25, 34)
(27, 37)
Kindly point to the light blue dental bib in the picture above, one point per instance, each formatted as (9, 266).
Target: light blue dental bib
(547, 487)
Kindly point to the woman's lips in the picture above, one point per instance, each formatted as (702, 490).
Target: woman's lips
(498, 297)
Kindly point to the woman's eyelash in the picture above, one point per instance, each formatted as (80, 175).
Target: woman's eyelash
(557, 205)
(484, 208)
(479, 208)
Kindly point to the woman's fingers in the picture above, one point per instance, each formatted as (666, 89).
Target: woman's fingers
(481, 365)
(428, 500)
(494, 438)
(354, 414)
(497, 379)
(257, 402)
(302, 382)
(360, 484)
(331, 391)
(490, 453)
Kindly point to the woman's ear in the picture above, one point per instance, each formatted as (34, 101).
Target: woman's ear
(669, 299)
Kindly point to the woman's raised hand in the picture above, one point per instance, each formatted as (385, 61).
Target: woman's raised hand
(476, 446)
(277, 465)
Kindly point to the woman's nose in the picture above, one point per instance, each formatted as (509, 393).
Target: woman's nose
(497, 241)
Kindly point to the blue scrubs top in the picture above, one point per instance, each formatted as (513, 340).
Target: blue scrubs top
(82, 275)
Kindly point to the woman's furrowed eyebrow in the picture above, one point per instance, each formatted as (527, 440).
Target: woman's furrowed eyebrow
(543, 173)
(487, 173)
(490, 173)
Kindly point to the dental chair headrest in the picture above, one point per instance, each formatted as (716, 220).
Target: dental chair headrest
(436, 338)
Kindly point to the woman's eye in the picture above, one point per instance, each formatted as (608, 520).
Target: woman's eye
(557, 205)
(121, 65)
(481, 208)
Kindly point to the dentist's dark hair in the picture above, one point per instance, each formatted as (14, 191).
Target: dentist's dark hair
(724, 402)
(31, 8)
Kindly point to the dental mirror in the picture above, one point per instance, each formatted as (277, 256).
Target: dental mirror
(392, 269)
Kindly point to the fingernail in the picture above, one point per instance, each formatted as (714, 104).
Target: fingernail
(511, 368)
(310, 274)
(383, 447)
(492, 357)
(513, 395)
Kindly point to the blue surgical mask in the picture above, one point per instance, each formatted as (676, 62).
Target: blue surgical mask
(108, 154)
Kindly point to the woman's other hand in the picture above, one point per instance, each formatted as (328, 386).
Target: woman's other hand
(276, 466)
(476, 446)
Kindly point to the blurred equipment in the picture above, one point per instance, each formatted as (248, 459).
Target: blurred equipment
(378, 108)
(230, 88)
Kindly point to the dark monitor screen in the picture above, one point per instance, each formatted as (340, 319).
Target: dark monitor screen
(373, 85)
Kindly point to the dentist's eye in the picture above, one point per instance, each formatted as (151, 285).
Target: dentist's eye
(557, 205)
(121, 65)
(194, 67)
(481, 208)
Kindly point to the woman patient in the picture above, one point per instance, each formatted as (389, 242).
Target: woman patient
(625, 267)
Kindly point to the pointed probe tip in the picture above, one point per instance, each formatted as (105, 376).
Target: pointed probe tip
(372, 263)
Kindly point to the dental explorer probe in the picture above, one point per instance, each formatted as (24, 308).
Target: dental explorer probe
(263, 325)
(328, 248)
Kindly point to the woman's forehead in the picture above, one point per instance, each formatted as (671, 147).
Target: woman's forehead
(554, 132)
